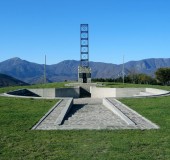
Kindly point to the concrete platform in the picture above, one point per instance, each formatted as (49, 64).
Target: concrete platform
(90, 113)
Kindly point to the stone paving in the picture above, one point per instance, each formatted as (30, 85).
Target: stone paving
(90, 113)
(140, 121)
(49, 122)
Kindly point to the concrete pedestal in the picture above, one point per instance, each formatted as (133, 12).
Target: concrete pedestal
(84, 74)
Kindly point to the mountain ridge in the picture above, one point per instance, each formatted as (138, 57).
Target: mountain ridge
(31, 72)
(6, 80)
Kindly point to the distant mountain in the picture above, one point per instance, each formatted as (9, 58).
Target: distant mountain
(148, 66)
(21, 69)
(6, 80)
(67, 70)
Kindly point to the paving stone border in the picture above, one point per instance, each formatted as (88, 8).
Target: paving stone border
(64, 112)
(46, 115)
(115, 110)
(140, 121)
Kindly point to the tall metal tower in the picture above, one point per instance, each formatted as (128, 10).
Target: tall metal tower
(84, 45)
(84, 71)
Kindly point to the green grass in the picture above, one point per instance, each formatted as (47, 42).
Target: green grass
(17, 141)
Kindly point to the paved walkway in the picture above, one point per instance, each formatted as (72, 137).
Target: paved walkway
(90, 113)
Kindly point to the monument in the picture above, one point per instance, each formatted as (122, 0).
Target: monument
(84, 71)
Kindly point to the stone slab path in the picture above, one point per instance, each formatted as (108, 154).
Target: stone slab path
(90, 113)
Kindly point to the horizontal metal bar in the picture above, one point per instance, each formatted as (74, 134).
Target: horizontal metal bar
(84, 45)
(84, 31)
(84, 25)
(84, 59)
(84, 38)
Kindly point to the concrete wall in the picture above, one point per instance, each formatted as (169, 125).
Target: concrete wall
(57, 92)
(114, 92)
(102, 92)
(44, 92)
(68, 92)
(124, 92)
(85, 86)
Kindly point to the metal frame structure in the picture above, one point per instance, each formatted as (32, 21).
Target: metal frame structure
(84, 45)
(84, 71)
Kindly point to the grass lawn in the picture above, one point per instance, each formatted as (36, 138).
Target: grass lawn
(17, 141)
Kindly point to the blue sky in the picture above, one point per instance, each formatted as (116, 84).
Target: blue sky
(137, 29)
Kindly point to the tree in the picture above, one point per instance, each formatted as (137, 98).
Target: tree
(144, 79)
(140, 79)
(163, 75)
(133, 75)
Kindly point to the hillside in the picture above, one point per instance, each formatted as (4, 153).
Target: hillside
(6, 80)
(67, 70)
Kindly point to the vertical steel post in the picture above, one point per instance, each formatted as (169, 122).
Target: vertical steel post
(45, 70)
(123, 72)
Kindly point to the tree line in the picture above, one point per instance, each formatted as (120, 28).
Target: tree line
(162, 77)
